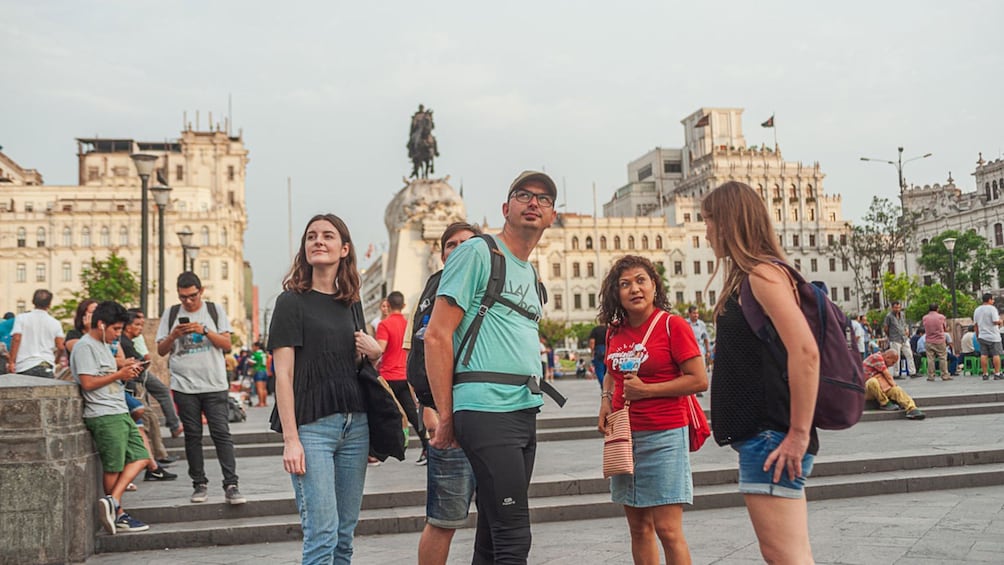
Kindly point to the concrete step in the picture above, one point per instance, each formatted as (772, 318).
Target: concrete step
(403, 519)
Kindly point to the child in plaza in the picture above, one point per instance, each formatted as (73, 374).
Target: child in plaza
(106, 414)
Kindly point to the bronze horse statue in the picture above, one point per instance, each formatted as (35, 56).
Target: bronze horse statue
(422, 148)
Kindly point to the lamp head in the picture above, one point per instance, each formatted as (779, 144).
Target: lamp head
(949, 244)
(161, 195)
(144, 163)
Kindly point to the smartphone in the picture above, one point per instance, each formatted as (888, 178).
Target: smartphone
(183, 320)
(144, 363)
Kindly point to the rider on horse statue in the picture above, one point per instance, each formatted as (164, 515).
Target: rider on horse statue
(422, 147)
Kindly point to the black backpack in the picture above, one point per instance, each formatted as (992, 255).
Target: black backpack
(417, 377)
(172, 315)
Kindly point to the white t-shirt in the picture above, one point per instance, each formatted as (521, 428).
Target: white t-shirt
(985, 316)
(91, 357)
(197, 366)
(38, 332)
(859, 333)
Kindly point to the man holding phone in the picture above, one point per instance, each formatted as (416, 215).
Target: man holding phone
(196, 334)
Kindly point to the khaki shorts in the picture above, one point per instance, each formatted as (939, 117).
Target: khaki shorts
(118, 441)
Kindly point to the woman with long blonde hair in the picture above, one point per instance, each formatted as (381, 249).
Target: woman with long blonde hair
(763, 410)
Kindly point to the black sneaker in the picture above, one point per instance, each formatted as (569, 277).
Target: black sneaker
(126, 523)
(423, 459)
(234, 496)
(915, 414)
(159, 474)
(986, 377)
(201, 493)
(999, 377)
(106, 511)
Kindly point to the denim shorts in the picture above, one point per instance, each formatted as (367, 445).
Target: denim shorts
(450, 487)
(754, 480)
(661, 471)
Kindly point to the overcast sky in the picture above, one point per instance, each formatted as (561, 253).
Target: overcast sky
(324, 92)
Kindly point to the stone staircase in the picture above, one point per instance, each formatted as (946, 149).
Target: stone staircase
(958, 446)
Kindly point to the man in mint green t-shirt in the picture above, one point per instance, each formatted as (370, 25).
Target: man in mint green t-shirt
(494, 422)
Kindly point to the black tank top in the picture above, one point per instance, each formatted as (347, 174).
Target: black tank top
(749, 390)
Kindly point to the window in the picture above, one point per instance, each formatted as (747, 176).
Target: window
(833, 216)
(798, 264)
(995, 193)
(124, 236)
(892, 267)
(847, 294)
(813, 265)
(230, 172)
(658, 242)
(795, 240)
(93, 174)
(106, 236)
(589, 242)
(794, 214)
(557, 302)
(204, 232)
(644, 242)
(575, 242)
(928, 280)
(224, 270)
(711, 267)
(226, 305)
(67, 272)
(998, 234)
(812, 240)
(875, 267)
(592, 300)
(556, 270)
(761, 191)
(617, 242)
(576, 273)
(697, 267)
(672, 167)
(85, 236)
(833, 264)
(590, 270)
(686, 216)
(793, 192)
(843, 239)
(204, 267)
(812, 214)
(833, 294)
(844, 264)
(630, 242)
(120, 171)
(179, 172)
(224, 237)
(644, 172)
(777, 214)
(830, 239)
(577, 301)
(699, 297)
(67, 236)
(711, 297)
(22, 273)
(39, 272)
(679, 297)
(21, 307)
(678, 269)
(603, 242)
(40, 237)
(22, 237)
(29, 207)
(695, 241)
(777, 192)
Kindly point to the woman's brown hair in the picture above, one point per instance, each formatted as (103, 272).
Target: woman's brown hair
(743, 234)
(611, 311)
(347, 281)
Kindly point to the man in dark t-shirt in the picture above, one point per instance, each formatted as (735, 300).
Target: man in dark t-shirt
(598, 345)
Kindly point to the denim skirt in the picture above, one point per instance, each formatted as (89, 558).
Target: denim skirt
(661, 471)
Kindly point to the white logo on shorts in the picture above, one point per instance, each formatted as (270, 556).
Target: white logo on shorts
(508, 501)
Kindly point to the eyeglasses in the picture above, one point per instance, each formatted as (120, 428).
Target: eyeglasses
(525, 196)
(189, 297)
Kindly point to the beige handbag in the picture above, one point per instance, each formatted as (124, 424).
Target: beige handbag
(618, 454)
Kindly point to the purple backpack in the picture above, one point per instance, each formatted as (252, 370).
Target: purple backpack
(841, 396)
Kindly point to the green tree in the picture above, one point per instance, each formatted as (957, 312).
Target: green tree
(975, 263)
(109, 279)
(899, 288)
(553, 331)
(580, 331)
(937, 294)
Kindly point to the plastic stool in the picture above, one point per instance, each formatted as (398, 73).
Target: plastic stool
(922, 370)
(904, 367)
(973, 366)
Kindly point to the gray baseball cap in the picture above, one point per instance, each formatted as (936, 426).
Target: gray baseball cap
(527, 176)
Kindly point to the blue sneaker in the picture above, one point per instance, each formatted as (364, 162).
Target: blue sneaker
(106, 513)
(126, 523)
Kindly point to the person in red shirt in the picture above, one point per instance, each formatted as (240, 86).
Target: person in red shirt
(634, 306)
(393, 364)
(881, 387)
(937, 346)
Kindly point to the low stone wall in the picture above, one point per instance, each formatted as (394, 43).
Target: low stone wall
(49, 473)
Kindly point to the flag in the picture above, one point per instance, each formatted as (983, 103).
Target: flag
(769, 123)
(705, 120)
(369, 251)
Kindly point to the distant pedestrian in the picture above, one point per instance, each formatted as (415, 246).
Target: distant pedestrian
(700, 330)
(987, 322)
(763, 410)
(260, 361)
(36, 339)
(935, 343)
(598, 347)
(898, 332)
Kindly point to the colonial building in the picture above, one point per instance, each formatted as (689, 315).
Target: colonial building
(48, 234)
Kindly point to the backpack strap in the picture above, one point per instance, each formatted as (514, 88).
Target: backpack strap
(172, 315)
(213, 313)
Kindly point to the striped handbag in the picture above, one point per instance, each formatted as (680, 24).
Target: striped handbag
(618, 457)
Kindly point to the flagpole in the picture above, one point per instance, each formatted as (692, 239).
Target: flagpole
(773, 126)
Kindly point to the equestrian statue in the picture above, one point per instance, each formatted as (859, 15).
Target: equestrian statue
(422, 148)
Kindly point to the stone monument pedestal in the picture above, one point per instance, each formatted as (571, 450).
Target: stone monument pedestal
(49, 473)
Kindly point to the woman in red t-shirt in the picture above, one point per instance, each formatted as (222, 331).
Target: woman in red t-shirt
(633, 304)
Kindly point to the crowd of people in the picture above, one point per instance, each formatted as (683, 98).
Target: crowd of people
(478, 368)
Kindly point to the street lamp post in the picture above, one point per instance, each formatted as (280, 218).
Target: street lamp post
(161, 196)
(950, 246)
(898, 163)
(185, 237)
(144, 166)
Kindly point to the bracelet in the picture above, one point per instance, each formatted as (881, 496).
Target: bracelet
(607, 394)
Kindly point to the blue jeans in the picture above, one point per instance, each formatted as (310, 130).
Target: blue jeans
(754, 480)
(450, 486)
(330, 494)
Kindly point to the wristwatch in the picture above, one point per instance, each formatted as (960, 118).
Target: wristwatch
(205, 330)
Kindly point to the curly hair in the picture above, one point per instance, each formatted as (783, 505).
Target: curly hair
(611, 310)
(347, 282)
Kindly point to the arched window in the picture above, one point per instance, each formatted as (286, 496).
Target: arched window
(575, 242)
(809, 193)
(761, 191)
(224, 270)
(793, 192)
(630, 242)
(986, 190)
(603, 242)
(995, 193)
(106, 237)
(40, 237)
(67, 236)
(617, 242)
(22, 237)
(998, 234)
(658, 242)
(777, 191)
(224, 237)
(204, 232)
(85, 236)
(589, 242)
(124, 236)
(644, 242)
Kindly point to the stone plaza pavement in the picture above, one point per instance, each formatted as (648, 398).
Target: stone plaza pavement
(960, 525)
